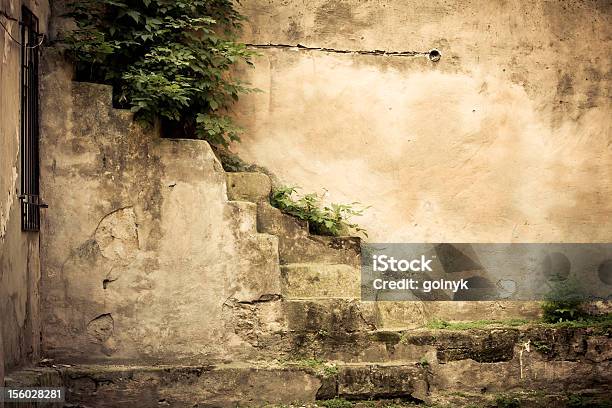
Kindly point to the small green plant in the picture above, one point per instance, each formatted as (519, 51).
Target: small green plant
(166, 59)
(557, 311)
(438, 324)
(336, 403)
(564, 302)
(333, 219)
(322, 367)
(505, 401)
(476, 324)
(541, 347)
(309, 362)
(423, 362)
(330, 370)
(602, 323)
(584, 401)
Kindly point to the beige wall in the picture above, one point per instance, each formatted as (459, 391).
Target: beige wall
(506, 139)
(143, 257)
(19, 255)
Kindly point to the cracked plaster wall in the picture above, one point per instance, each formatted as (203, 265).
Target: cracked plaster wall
(475, 147)
(143, 257)
(19, 253)
(505, 139)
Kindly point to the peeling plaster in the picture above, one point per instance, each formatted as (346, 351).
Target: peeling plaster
(101, 328)
(5, 210)
(117, 234)
(7, 40)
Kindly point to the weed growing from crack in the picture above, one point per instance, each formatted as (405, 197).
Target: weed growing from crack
(333, 219)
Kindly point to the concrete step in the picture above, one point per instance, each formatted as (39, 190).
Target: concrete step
(414, 314)
(247, 186)
(248, 286)
(329, 315)
(296, 245)
(263, 250)
(354, 331)
(390, 315)
(301, 281)
(243, 216)
(434, 346)
(225, 385)
(351, 314)
(94, 94)
(429, 364)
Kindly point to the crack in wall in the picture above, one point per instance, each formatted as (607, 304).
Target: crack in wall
(300, 47)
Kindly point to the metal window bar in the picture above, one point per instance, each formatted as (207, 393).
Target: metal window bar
(30, 187)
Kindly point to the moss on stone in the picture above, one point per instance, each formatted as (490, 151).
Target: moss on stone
(321, 367)
(476, 324)
(602, 322)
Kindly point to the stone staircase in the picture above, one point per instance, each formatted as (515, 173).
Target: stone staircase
(297, 306)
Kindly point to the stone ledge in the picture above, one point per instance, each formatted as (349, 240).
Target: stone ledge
(251, 187)
(320, 281)
(224, 385)
(259, 383)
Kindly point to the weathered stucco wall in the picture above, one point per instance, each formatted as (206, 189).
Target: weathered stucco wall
(143, 255)
(19, 253)
(506, 138)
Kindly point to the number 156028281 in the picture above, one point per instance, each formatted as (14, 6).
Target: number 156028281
(38, 394)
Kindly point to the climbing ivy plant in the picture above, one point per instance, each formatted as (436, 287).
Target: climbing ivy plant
(166, 59)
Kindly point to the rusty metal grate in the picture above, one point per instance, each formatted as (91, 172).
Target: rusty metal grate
(30, 171)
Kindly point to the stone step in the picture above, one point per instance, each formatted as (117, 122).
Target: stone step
(296, 245)
(304, 314)
(502, 360)
(434, 346)
(99, 95)
(248, 186)
(329, 315)
(225, 385)
(266, 283)
(301, 281)
(355, 331)
(243, 217)
(495, 343)
(414, 314)
(377, 346)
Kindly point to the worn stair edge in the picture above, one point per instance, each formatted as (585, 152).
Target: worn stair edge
(307, 280)
(313, 313)
(243, 215)
(95, 93)
(350, 330)
(250, 384)
(226, 385)
(248, 186)
(297, 245)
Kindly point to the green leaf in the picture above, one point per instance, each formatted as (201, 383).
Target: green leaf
(166, 59)
(134, 14)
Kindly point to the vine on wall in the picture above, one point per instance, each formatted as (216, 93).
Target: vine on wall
(166, 59)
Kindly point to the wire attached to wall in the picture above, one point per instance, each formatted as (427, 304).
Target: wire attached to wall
(3, 14)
